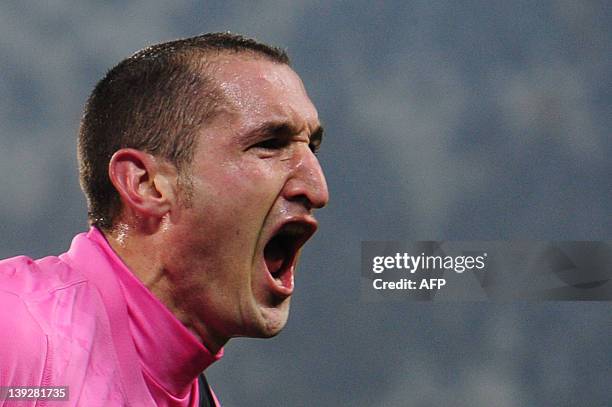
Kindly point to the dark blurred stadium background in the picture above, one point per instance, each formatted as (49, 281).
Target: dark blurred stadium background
(446, 120)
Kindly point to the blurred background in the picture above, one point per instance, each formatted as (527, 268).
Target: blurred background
(445, 120)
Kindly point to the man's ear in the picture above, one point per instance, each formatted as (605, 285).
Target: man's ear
(147, 185)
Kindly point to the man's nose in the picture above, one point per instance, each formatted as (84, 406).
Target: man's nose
(307, 182)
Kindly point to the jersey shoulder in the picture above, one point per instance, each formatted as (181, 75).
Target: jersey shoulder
(28, 278)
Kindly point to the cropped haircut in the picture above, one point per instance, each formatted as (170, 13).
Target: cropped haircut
(154, 101)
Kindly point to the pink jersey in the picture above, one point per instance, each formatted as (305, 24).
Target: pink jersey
(84, 321)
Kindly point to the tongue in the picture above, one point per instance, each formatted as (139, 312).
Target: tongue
(274, 256)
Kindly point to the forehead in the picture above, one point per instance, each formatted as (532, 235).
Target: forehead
(256, 90)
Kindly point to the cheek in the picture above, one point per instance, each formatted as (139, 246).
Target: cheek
(232, 202)
(249, 183)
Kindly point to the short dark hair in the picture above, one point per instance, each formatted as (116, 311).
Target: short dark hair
(155, 101)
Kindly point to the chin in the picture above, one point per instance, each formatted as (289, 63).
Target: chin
(273, 320)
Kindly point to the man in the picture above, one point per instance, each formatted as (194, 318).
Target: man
(198, 161)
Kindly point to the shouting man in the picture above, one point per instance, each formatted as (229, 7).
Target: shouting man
(197, 157)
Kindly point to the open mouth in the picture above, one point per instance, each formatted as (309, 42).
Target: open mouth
(280, 253)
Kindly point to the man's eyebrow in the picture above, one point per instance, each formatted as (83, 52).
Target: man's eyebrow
(284, 129)
(275, 128)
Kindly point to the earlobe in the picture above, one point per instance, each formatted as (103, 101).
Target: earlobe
(142, 182)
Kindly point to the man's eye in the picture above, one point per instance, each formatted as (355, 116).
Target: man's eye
(271, 144)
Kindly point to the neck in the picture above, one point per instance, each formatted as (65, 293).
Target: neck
(143, 255)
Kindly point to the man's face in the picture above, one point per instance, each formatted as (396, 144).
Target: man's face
(255, 182)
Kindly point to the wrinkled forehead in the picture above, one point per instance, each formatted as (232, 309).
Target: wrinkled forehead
(258, 89)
